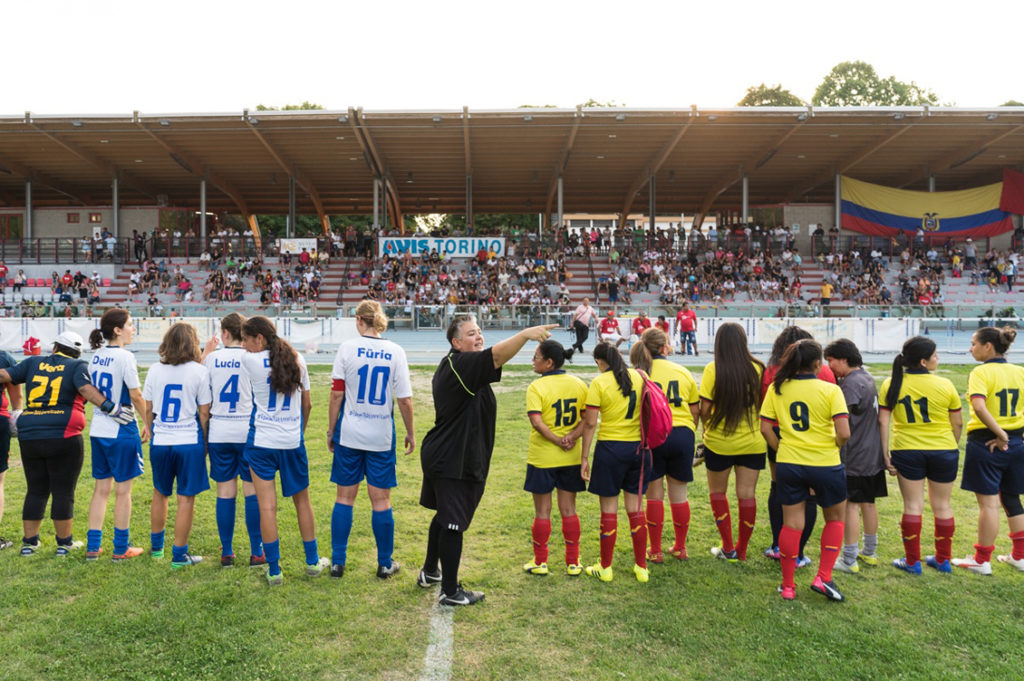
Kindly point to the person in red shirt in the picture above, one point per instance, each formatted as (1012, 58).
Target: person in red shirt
(639, 325)
(66, 280)
(608, 329)
(686, 321)
(662, 324)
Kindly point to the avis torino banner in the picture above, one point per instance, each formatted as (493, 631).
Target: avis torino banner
(450, 247)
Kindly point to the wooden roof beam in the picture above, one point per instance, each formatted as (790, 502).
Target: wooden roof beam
(563, 158)
(654, 166)
(957, 158)
(37, 177)
(377, 163)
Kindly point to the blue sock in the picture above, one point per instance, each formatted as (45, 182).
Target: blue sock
(156, 540)
(226, 525)
(252, 524)
(178, 552)
(121, 538)
(94, 539)
(383, 523)
(341, 526)
(312, 554)
(272, 550)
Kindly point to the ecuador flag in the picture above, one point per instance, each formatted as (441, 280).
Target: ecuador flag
(881, 211)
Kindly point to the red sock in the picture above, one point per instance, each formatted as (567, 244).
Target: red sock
(831, 544)
(748, 514)
(609, 524)
(681, 522)
(910, 525)
(983, 554)
(655, 523)
(571, 532)
(789, 549)
(638, 531)
(944, 529)
(541, 534)
(1018, 545)
(723, 520)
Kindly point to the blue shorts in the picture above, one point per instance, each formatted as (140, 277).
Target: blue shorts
(938, 465)
(794, 483)
(352, 465)
(292, 464)
(616, 468)
(675, 457)
(185, 464)
(118, 457)
(227, 461)
(723, 462)
(543, 480)
(988, 472)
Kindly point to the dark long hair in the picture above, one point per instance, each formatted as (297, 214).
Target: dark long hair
(553, 350)
(788, 336)
(285, 372)
(641, 355)
(1001, 338)
(801, 357)
(609, 354)
(914, 350)
(114, 318)
(737, 387)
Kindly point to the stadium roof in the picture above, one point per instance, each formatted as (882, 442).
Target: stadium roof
(514, 157)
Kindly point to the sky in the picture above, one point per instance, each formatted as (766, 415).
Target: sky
(183, 56)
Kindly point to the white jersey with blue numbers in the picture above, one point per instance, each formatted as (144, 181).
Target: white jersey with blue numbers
(232, 396)
(114, 372)
(176, 393)
(376, 373)
(276, 418)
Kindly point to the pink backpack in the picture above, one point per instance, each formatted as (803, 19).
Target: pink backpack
(655, 415)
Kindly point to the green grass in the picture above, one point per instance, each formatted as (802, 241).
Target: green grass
(702, 619)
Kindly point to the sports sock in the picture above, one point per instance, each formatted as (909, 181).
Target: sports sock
(945, 528)
(681, 523)
(341, 526)
(723, 520)
(748, 515)
(541, 532)
(383, 524)
(910, 526)
(433, 546)
(983, 554)
(121, 540)
(789, 547)
(226, 525)
(64, 541)
(831, 541)
(312, 553)
(850, 553)
(272, 550)
(252, 525)
(156, 540)
(774, 513)
(810, 519)
(1018, 544)
(93, 540)
(870, 544)
(178, 552)
(638, 532)
(609, 526)
(655, 523)
(571, 532)
(451, 555)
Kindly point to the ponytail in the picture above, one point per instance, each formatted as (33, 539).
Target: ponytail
(95, 339)
(915, 350)
(641, 355)
(609, 354)
(895, 382)
(371, 314)
(113, 318)
(1001, 338)
(800, 357)
(285, 372)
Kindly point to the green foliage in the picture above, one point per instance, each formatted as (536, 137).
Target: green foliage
(857, 83)
(489, 223)
(762, 95)
(305, 106)
(594, 104)
(1012, 102)
(538, 106)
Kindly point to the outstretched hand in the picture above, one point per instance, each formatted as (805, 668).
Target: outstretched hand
(540, 333)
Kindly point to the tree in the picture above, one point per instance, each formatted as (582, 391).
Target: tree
(305, 106)
(594, 104)
(1012, 102)
(762, 95)
(856, 83)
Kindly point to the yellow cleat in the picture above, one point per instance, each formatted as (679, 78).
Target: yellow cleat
(534, 569)
(642, 575)
(871, 560)
(574, 569)
(602, 573)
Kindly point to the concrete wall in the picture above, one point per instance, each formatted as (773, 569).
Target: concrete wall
(53, 222)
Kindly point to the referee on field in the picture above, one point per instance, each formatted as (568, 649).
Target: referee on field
(456, 453)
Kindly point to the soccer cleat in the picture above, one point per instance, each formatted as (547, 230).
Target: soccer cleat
(719, 552)
(902, 564)
(941, 566)
(1010, 560)
(187, 560)
(678, 554)
(156, 554)
(574, 569)
(461, 597)
(28, 549)
(868, 558)
(257, 561)
(426, 579)
(656, 556)
(5, 543)
(849, 568)
(803, 561)
(93, 555)
(64, 550)
(385, 572)
(275, 580)
(605, 574)
(227, 561)
(641, 573)
(788, 593)
(533, 568)
(969, 563)
(317, 568)
(827, 589)
(772, 553)
(130, 552)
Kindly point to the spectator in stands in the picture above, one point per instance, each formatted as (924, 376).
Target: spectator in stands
(608, 330)
(19, 280)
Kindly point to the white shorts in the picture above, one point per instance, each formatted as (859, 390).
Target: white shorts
(611, 337)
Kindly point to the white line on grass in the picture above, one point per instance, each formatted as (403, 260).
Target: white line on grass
(437, 663)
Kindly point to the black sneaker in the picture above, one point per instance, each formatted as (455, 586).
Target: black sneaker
(385, 572)
(428, 579)
(337, 571)
(227, 561)
(461, 597)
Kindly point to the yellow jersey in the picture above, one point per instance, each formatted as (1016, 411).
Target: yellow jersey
(920, 417)
(746, 439)
(620, 416)
(804, 413)
(560, 399)
(1002, 386)
(679, 387)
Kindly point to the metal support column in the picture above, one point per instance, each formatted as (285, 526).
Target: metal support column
(469, 205)
(931, 183)
(28, 210)
(559, 219)
(376, 206)
(746, 200)
(652, 207)
(202, 213)
(289, 230)
(115, 207)
(839, 201)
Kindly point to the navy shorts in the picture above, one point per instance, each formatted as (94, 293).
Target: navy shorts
(291, 463)
(119, 457)
(5, 442)
(227, 461)
(543, 480)
(675, 457)
(454, 500)
(864, 489)
(988, 472)
(184, 464)
(794, 482)
(723, 462)
(938, 465)
(616, 468)
(350, 466)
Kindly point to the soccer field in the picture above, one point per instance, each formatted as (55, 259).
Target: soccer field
(699, 619)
